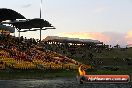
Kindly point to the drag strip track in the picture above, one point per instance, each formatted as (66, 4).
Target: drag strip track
(57, 83)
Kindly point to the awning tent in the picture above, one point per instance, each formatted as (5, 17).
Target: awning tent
(9, 14)
(7, 28)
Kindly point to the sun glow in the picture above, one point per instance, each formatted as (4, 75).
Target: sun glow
(129, 37)
(75, 35)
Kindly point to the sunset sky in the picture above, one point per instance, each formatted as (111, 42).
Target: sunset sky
(109, 21)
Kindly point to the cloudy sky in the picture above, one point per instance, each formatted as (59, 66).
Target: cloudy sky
(109, 21)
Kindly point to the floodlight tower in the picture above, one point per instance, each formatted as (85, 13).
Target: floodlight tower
(46, 27)
(40, 16)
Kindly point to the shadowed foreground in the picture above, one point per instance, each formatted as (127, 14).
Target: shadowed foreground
(56, 83)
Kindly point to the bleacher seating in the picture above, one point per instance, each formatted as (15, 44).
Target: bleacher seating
(14, 56)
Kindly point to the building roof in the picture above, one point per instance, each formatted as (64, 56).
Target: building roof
(21, 25)
(31, 23)
(9, 14)
(70, 40)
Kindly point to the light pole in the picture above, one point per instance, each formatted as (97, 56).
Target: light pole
(40, 16)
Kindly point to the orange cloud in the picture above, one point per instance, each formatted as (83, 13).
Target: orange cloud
(129, 37)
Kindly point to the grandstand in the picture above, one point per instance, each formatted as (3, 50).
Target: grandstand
(79, 49)
(15, 57)
(22, 53)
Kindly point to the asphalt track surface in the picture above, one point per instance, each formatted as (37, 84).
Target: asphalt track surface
(57, 83)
